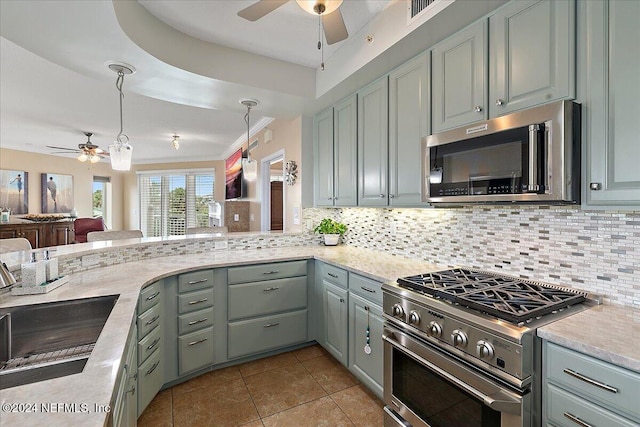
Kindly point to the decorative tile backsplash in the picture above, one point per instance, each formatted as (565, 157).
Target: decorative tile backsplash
(597, 251)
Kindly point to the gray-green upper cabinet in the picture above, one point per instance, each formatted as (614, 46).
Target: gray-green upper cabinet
(408, 123)
(612, 86)
(459, 78)
(531, 54)
(373, 143)
(335, 155)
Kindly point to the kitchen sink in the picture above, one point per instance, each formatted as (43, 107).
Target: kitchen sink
(50, 340)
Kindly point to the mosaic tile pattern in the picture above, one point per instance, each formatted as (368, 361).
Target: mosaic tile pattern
(597, 251)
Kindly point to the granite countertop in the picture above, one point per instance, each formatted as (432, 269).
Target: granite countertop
(605, 332)
(95, 385)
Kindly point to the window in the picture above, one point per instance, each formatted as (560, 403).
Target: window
(171, 201)
(102, 199)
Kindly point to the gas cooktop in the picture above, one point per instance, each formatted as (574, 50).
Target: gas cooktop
(508, 298)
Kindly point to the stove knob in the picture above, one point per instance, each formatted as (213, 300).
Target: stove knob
(435, 330)
(414, 317)
(484, 350)
(459, 338)
(397, 311)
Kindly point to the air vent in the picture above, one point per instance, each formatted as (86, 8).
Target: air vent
(418, 6)
(420, 11)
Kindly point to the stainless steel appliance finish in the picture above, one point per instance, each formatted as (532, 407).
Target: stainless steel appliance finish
(527, 156)
(462, 343)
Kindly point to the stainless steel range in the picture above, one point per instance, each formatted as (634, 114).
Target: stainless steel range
(460, 348)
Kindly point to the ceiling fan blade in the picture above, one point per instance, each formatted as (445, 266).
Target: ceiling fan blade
(63, 148)
(63, 152)
(334, 29)
(260, 9)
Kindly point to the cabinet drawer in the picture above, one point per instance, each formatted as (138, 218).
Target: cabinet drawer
(150, 379)
(195, 350)
(149, 296)
(267, 333)
(563, 366)
(278, 270)
(334, 275)
(195, 321)
(366, 288)
(149, 320)
(195, 301)
(149, 344)
(567, 410)
(196, 280)
(271, 296)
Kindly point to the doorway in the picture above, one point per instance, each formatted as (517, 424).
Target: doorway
(273, 194)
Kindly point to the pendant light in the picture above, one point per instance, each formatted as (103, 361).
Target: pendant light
(121, 151)
(249, 167)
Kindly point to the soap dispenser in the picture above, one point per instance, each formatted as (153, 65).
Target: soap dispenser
(50, 267)
(33, 272)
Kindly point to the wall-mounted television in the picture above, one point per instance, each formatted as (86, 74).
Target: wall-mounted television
(233, 175)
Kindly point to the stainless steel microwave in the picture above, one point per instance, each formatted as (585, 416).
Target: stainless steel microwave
(527, 156)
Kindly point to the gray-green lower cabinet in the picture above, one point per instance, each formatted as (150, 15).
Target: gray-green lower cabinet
(195, 350)
(125, 406)
(335, 310)
(365, 327)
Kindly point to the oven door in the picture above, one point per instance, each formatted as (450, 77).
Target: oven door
(424, 387)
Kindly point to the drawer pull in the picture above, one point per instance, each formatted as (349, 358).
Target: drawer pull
(198, 342)
(193, 282)
(155, 318)
(367, 289)
(200, 301)
(590, 381)
(153, 344)
(275, 288)
(576, 420)
(152, 296)
(335, 276)
(271, 325)
(195, 322)
(153, 368)
(271, 272)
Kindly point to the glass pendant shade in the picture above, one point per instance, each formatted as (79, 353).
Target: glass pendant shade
(249, 169)
(120, 156)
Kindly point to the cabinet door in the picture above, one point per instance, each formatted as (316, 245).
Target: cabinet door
(613, 97)
(531, 54)
(408, 123)
(323, 158)
(367, 367)
(33, 233)
(335, 318)
(59, 234)
(345, 154)
(459, 78)
(373, 144)
(9, 231)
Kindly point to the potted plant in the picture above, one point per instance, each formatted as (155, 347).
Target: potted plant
(332, 230)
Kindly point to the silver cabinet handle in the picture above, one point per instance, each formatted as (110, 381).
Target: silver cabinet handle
(198, 301)
(195, 322)
(588, 380)
(274, 288)
(271, 325)
(341, 299)
(193, 282)
(198, 342)
(153, 344)
(335, 276)
(132, 391)
(595, 186)
(499, 102)
(391, 196)
(150, 297)
(271, 272)
(368, 290)
(576, 420)
(153, 368)
(330, 198)
(478, 109)
(382, 196)
(155, 318)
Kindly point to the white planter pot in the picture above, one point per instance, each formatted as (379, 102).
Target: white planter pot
(331, 239)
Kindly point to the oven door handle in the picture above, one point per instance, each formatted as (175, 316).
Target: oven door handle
(504, 403)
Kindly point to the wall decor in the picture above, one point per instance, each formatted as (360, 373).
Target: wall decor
(291, 172)
(14, 193)
(233, 175)
(57, 193)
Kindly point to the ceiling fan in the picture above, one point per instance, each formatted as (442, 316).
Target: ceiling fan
(88, 150)
(327, 10)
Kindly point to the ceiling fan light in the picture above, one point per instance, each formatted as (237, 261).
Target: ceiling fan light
(83, 157)
(94, 158)
(120, 155)
(309, 5)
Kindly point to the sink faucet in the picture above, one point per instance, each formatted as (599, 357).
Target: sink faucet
(6, 278)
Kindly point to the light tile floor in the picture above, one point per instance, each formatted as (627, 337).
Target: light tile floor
(305, 387)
